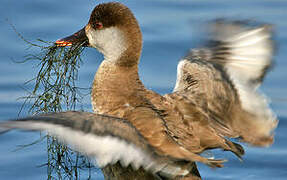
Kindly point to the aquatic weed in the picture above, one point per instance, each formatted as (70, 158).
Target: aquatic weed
(55, 89)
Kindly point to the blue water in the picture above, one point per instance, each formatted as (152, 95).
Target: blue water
(169, 28)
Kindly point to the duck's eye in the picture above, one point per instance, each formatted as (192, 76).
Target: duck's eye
(99, 25)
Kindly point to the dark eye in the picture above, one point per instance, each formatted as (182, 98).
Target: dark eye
(99, 25)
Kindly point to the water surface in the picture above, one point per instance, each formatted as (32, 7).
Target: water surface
(170, 28)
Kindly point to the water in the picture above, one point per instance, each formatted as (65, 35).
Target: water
(169, 28)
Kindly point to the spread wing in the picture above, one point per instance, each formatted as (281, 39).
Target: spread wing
(223, 79)
(245, 49)
(103, 138)
(209, 89)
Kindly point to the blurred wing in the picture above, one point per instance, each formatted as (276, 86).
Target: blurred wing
(232, 67)
(107, 139)
(244, 49)
(246, 53)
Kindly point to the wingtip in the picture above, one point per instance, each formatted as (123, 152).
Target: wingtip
(4, 127)
(216, 163)
(3, 130)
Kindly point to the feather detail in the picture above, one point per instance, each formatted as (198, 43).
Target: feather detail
(105, 139)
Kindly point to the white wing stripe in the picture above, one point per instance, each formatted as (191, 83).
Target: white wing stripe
(103, 149)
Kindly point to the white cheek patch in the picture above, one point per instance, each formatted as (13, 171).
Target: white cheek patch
(109, 41)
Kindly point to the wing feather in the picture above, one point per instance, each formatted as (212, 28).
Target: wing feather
(103, 138)
(223, 79)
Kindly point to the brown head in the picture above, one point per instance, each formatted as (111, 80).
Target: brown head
(114, 31)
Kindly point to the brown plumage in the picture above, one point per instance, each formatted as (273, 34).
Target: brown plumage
(209, 102)
(223, 79)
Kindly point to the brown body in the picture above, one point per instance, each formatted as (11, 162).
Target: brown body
(118, 91)
(197, 116)
(215, 98)
(136, 133)
(166, 122)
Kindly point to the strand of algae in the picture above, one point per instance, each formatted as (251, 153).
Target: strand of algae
(55, 89)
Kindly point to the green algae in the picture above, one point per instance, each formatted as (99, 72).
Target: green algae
(55, 89)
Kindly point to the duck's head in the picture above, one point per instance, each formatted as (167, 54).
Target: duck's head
(114, 31)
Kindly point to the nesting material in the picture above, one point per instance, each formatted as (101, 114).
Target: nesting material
(55, 89)
(55, 86)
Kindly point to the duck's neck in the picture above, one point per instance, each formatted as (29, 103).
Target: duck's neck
(117, 80)
(114, 86)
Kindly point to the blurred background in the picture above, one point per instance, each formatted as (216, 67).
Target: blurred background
(170, 28)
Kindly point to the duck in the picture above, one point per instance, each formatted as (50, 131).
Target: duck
(136, 133)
